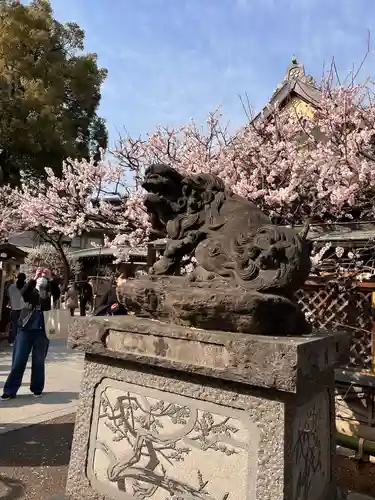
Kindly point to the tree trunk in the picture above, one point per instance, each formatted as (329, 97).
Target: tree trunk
(58, 246)
(67, 270)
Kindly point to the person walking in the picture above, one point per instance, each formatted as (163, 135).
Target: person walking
(85, 297)
(55, 291)
(5, 321)
(16, 304)
(31, 338)
(72, 298)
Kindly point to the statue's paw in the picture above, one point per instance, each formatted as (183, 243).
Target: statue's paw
(200, 274)
(160, 267)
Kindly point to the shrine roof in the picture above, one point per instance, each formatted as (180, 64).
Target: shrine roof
(295, 84)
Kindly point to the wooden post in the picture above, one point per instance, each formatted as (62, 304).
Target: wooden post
(373, 332)
(151, 255)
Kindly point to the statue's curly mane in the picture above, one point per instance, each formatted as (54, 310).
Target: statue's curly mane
(197, 201)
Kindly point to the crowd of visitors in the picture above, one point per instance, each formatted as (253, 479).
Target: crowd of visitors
(28, 301)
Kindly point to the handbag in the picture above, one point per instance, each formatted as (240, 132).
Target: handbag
(57, 322)
(71, 303)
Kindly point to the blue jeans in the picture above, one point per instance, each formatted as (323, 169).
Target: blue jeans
(27, 341)
(14, 316)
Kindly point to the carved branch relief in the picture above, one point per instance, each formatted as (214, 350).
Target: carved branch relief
(147, 447)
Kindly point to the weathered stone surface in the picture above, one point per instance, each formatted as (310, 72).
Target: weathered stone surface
(174, 412)
(311, 447)
(282, 363)
(231, 236)
(247, 268)
(213, 305)
(281, 441)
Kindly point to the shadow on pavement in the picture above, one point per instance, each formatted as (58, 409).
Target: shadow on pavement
(4, 372)
(39, 445)
(10, 488)
(34, 460)
(48, 398)
(58, 351)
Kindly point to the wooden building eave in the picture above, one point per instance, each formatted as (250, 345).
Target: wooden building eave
(105, 252)
(296, 84)
(299, 89)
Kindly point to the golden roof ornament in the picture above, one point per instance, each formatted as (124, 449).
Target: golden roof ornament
(296, 71)
(295, 83)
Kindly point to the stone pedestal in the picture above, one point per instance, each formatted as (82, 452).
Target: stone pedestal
(174, 413)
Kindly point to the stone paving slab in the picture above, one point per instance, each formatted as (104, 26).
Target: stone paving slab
(34, 460)
(64, 370)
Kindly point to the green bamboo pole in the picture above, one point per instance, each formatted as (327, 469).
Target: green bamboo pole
(353, 443)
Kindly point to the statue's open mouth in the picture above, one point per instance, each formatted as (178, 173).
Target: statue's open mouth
(161, 187)
(153, 186)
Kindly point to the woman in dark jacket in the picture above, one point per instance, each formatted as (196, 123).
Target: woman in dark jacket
(31, 337)
(109, 306)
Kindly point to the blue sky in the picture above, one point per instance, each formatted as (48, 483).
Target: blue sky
(170, 60)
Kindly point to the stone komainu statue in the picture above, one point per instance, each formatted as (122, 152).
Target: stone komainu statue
(229, 235)
(247, 269)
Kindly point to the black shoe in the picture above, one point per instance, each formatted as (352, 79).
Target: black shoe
(6, 397)
(38, 394)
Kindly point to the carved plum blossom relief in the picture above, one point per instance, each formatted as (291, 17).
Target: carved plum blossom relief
(312, 448)
(149, 444)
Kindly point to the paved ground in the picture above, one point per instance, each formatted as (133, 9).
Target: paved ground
(63, 379)
(34, 460)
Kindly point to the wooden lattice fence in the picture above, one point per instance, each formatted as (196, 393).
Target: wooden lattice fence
(327, 306)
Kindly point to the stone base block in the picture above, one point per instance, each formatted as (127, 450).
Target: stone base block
(214, 304)
(163, 429)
